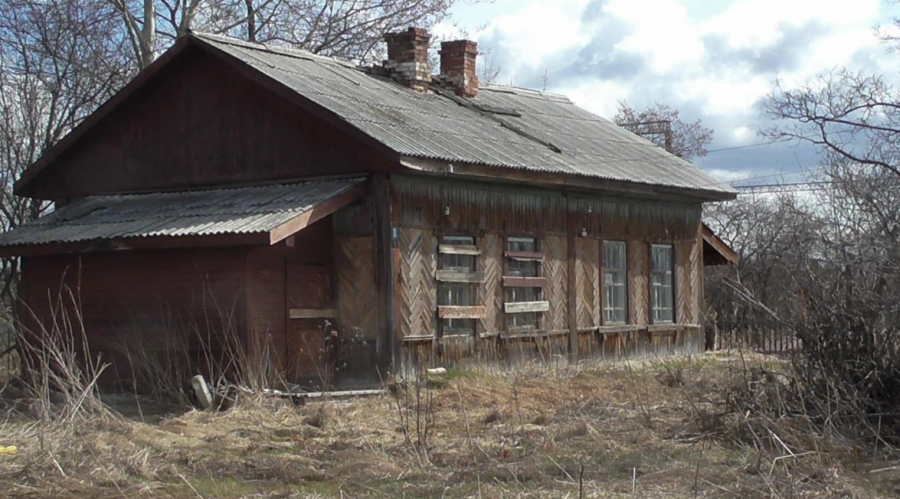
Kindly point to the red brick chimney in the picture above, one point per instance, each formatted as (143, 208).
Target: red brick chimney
(458, 66)
(408, 58)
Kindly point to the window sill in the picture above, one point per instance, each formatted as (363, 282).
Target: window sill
(460, 312)
(526, 306)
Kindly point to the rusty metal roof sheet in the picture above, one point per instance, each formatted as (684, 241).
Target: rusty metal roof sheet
(433, 126)
(244, 210)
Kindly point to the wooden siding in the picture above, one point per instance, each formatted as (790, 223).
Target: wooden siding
(425, 207)
(267, 286)
(688, 277)
(356, 291)
(198, 123)
(423, 203)
(554, 268)
(158, 305)
(637, 255)
(490, 293)
(587, 282)
(418, 287)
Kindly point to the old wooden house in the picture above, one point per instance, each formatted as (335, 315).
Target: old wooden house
(366, 218)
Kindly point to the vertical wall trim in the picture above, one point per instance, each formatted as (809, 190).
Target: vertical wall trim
(571, 254)
(386, 345)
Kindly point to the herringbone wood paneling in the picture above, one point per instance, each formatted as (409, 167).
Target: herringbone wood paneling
(555, 269)
(417, 295)
(638, 280)
(490, 293)
(687, 271)
(696, 274)
(587, 282)
(354, 260)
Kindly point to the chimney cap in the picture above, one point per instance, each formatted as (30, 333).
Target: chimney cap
(460, 45)
(417, 32)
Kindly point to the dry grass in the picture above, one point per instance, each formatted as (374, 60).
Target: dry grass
(658, 429)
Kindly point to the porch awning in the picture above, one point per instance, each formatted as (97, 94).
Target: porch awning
(715, 250)
(244, 215)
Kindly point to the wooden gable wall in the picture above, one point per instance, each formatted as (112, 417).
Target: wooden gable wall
(199, 122)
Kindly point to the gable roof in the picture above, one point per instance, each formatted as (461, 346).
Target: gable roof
(503, 127)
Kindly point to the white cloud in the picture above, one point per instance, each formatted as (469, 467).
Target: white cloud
(729, 175)
(662, 31)
(712, 60)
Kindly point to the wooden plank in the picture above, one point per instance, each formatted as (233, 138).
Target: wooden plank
(571, 270)
(386, 348)
(532, 333)
(419, 337)
(312, 313)
(490, 293)
(524, 282)
(621, 328)
(525, 256)
(460, 312)
(458, 249)
(357, 293)
(587, 278)
(526, 306)
(417, 293)
(556, 292)
(458, 276)
(309, 217)
(638, 257)
(136, 243)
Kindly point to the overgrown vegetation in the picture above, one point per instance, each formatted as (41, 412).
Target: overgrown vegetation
(675, 428)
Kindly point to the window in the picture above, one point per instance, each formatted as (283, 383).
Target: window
(522, 267)
(661, 277)
(614, 289)
(457, 293)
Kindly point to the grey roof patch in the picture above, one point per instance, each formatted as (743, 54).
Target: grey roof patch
(432, 126)
(243, 210)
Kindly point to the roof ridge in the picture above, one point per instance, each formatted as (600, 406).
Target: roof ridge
(494, 87)
(274, 49)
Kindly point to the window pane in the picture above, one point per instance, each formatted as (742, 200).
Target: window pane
(465, 263)
(614, 286)
(456, 293)
(518, 268)
(661, 279)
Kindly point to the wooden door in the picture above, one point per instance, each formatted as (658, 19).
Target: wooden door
(309, 298)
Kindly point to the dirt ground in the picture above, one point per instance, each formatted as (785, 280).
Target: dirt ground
(622, 429)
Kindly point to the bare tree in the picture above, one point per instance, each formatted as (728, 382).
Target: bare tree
(147, 24)
(663, 125)
(352, 29)
(852, 116)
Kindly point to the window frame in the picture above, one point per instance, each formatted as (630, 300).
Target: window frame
(524, 321)
(672, 284)
(604, 269)
(457, 327)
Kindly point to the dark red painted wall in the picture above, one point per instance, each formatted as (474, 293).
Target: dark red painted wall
(199, 122)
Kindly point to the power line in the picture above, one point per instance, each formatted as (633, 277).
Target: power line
(747, 146)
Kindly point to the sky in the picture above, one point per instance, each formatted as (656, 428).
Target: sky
(712, 59)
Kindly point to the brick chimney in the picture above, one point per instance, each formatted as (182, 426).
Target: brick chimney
(458, 66)
(408, 58)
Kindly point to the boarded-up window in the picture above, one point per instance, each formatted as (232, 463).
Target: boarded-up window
(662, 261)
(522, 267)
(614, 291)
(460, 294)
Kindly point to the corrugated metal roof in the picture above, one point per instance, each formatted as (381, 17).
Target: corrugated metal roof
(437, 127)
(244, 210)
